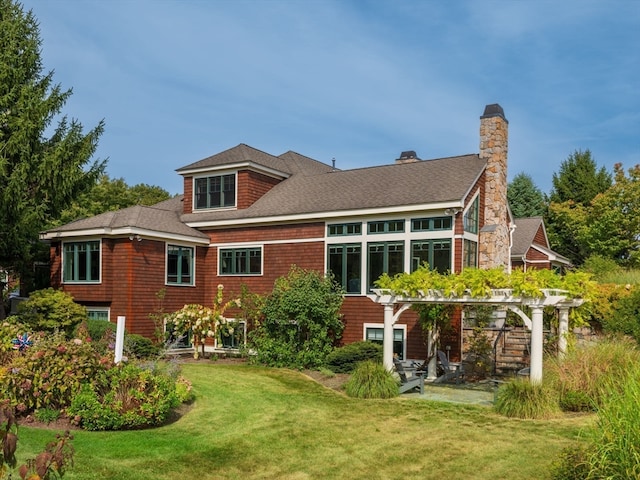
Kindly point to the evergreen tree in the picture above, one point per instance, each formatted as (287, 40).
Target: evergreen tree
(40, 175)
(579, 179)
(525, 198)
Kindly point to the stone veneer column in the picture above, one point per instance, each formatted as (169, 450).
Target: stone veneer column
(494, 240)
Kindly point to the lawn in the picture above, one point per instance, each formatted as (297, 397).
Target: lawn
(255, 423)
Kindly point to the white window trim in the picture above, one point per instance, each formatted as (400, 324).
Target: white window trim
(397, 326)
(407, 237)
(100, 309)
(62, 262)
(194, 209)
(166, 264)
(242, 247)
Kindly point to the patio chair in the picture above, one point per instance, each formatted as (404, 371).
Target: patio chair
(451, 370)
(410, 378)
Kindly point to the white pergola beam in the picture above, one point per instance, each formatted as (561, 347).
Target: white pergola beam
(555, 298)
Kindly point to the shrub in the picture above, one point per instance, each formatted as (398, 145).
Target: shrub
(522, 399)
(95, 329)
(131, 397)
(585, 375)
(371, 380)
(301, 321)
(137, 346)
(47, 415)
(50, 372)
(345, 359)
(51, 310)
(626, 317)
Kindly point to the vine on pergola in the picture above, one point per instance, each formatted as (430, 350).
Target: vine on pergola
(484, 283)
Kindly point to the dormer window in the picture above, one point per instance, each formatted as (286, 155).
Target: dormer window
(217, 191)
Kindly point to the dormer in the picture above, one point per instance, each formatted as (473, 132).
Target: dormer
(233, 179)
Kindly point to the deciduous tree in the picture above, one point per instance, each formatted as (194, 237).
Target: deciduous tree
(109, 195)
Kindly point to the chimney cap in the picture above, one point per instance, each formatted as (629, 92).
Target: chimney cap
(493, 110)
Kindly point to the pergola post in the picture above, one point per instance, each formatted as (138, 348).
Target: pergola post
(537, 345)
(387, 337)
(563, 331)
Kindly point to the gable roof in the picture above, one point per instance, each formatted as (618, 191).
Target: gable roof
(525, 233)
(160, 220)
(524, 239)
(425, 182)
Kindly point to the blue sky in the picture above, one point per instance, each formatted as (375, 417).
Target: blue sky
(358, 81)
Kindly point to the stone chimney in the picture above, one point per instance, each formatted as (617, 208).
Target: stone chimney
(494, 238)
(407, 157)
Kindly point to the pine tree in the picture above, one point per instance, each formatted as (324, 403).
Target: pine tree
(40, 175)
(525, 198)
(579, 179)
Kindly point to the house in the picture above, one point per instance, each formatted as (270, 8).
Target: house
(246, 216)
(530, 247)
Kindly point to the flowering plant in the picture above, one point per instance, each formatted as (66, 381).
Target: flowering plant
(201, 321)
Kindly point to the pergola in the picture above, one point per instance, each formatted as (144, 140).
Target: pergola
(501, 297)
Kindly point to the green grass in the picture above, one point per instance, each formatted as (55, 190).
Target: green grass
(254, 423)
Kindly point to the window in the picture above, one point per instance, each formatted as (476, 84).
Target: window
(215, 192)
(180, 265)
(173, 341)
(470, 254)
(81, 262)
(345, 263)
(430, 224)
(435, 253)
(385, 257)
(232, 334)
(342, 229)
(240, 261)
(471, 217)
(386, 226)
(98, 313)
(376, 335)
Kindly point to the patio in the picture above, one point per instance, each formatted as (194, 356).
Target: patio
(470, 394)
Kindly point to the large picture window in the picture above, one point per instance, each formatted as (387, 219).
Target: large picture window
(240, 261)
(215, 192)
(345, 263)
(180, 265)
(384, 257)
(81, 261)
(435, 253)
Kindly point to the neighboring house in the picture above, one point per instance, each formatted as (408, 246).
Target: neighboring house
(530, 247)
(246, 216)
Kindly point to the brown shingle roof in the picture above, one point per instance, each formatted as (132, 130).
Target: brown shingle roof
(163, 218)
(523, 235)
(418, 183)
(240, 154)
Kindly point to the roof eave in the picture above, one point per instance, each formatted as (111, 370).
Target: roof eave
(322, 216)
(272, 172)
